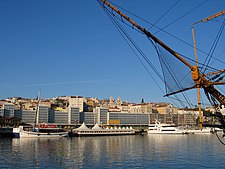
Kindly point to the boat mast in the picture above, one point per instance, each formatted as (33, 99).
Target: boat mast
(196, 56)
(198, 87)
(211, 17)
(37, 109)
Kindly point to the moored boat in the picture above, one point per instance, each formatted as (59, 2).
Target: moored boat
(83, 130)
(40, 131)
(207, 130)
(160, 128)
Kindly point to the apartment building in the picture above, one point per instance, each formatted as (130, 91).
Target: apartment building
(77, 101)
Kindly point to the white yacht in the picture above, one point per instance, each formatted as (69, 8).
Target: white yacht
(160, 128)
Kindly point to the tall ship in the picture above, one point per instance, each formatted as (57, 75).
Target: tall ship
(180, 73)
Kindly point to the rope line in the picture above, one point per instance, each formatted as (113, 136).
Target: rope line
(220, 139)
(213, 48)
(164, 14)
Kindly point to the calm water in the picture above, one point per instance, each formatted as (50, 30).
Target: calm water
(155, 151)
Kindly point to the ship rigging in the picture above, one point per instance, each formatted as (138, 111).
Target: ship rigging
(202, 76)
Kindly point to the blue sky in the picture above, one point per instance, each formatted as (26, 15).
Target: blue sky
(70, 47)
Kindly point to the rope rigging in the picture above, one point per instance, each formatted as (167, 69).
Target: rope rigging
(163, 29)
(199, 79)
(172, 73)
(153, 25)
(220, 139)
(126, 37)
(149, 35)
(110, 12)
(213, 48)
(182, 16)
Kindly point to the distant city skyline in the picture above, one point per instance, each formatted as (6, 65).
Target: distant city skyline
(66, 48)
(142, 101)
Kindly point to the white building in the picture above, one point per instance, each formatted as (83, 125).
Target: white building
(77, 101)
(141, 108)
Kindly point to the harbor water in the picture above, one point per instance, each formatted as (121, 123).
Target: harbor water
(135, 151)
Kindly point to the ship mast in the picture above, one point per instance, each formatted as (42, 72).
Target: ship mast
(196, 56)
(198, 78)
(198, 87)
(37, 110)
(211, 17)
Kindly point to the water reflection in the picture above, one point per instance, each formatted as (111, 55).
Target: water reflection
(185, 150)
(35, 153)
(147, 151)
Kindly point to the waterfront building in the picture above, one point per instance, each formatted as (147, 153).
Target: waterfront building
(165, 118)
(177, 119)
(114, 109)
(46, 103)
(58, 117)
(188, 111)
(132, 119)
(69, 116)
(125, 107)
(152, 117)
(1, 110)
(28, 105)
(8, 109)
(103, 103)
(102, 115)
(90, 104)
(181, 120)
(73, 110)
(89, 118)
(141, 108)
(26, 116)
(74, 116)
(190, 119)
(77, 101)
(189, 116)
(164, 108)
(42, 114)
(170, 118)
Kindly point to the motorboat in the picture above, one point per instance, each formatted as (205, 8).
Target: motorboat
(161, 128)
